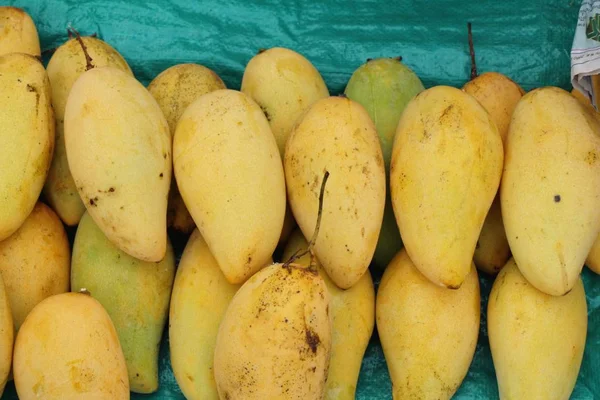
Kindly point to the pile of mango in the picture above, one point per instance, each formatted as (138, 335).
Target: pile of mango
(288, 195)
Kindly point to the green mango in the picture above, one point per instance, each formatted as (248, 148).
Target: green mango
(135, 293)
(384, 86)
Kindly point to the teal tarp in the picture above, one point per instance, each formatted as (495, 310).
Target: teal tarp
(527, 40)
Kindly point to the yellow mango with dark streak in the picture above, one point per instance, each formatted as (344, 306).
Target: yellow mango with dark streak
(26, 137)
(337, 135)
(119, 153)
(445, 172)
(66, 65)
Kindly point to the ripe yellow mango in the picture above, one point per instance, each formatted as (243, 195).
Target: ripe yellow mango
(175, 89)
(134, 293)
(201, 295)
(583, 99)
(550, 188)
(537, 340)
(446, 167)
(492, 250)
(26, 137)
(428, 333)
(231, 180)
(337, 135)
(119, 153)
(68, 348)
(499, 95)
(274, 341)
(66, 65)
(284, 84)
(7, 335)
(353, 318)
(35, 262)
(18, 33)
(593, 258)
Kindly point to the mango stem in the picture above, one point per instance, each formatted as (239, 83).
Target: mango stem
(472, 52)
(88, 60)
(300, 253)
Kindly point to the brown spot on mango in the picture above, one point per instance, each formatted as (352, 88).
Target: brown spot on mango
(591, 157)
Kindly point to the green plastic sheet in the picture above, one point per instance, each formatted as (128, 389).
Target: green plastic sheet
(526, 40)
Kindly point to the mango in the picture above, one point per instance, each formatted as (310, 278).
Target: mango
(499, 95)
(274, 341)
(445, 172)
(550, 188)
(593, 258)
(201, 295)
(68, 348)
(7, 336)
(18, 33)
(384, 86)
(26, 137)
(537, 340)
(119, 153)
(428, 333)
(284, 84)
(583, 99)
(175, 89)
(231, 180)
(134, 293)
(66, 65)
(492, 249)
(353, 319)
(337, 135)
(35, 262)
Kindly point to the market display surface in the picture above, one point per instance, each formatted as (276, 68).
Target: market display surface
(250, 201)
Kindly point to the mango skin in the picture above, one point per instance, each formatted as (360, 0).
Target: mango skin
(65, 66)
(551, 187)
(35, 262)
(593, 258)
(353, 319)
(19, 33)
(537, 340)
(446, 167)
(68, 348)
(175, 89)
(119, 153)
(26, 137)
(499, 95)
(428, 333)
(284, 84)
(134, 293)
(231, 180)
(492, 249)
(274, 341)
(338, 136)
(7, 336)
(201, 295)
(384, 86)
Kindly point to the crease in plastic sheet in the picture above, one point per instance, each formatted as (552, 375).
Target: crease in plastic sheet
(528, 41)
